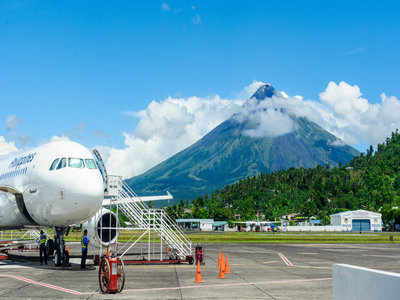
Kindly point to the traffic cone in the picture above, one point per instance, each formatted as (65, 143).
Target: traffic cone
(167, 250)
(219, 259)
(221, 269)
(198, 274)
(227, 271)
(68, 249)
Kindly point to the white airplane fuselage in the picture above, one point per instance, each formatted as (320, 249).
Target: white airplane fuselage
(33, 194)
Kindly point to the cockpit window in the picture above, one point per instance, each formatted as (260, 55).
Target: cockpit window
(62, 163)
(54, 164)
(90, 164)
(75, 162)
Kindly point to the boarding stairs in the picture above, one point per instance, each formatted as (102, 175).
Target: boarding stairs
(151, 220)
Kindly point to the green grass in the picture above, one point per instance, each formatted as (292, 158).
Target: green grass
(290, 238)
(263, 237)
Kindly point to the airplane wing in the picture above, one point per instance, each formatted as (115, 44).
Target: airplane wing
(168, 196)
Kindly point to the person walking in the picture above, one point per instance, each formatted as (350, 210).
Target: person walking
(42, 247)
(85, 244)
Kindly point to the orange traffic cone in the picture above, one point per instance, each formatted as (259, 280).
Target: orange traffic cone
(198, 274)
(227, 271)
(219, 259)
(167, 250)
(68, 249)
(221, 269)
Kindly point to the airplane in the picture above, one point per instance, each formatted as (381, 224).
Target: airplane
(56, 185)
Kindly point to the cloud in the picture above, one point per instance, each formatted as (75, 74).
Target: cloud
(56, 138)
(270, 122)
(6, 147)
(165, 128)
(11, 123)
(249, 90)
(165, 7)
(196, 19)
(76, 132)
(354, 119)
(99, 133)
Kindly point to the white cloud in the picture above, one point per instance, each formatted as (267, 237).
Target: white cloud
(344, 99)
(11, 122)
(272, 123)
(169, 126)
(6, 147)
(164, 129)
(196, 19)
(56, 138)
(354, 119)
(249, 90)
(165, 7)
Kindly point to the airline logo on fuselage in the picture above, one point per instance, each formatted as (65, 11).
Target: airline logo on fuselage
(22, 160)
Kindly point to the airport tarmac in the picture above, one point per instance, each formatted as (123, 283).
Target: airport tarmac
(258, 271)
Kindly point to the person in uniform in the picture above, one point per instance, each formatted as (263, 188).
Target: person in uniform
(85, 244)
(42, 247)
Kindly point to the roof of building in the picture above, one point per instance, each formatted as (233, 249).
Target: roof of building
(194, 220)
(356, 212)
(219, 223)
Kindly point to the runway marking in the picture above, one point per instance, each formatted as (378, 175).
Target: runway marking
(313, 267)
(287, 262)
(377, 255)
(269, 262)
(168, 288)
(6, 266)
(228, 284)
(42, 284)
(308, 253)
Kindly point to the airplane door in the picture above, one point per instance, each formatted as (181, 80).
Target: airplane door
(32, 178)
(101, 167)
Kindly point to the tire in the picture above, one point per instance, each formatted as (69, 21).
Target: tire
(120, 275)
(57, 258)
(50, 247)
(104, 276)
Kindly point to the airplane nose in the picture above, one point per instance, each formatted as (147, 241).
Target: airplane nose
(87, 198)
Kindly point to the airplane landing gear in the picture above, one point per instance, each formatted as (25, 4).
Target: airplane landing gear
(61, 256)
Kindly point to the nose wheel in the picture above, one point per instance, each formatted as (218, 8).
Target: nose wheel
(61, 256)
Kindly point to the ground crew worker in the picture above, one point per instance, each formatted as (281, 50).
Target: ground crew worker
(84, 243)
(42, 247)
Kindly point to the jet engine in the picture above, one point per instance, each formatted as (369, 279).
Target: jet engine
(102, 228)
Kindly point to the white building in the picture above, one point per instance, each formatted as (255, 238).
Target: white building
(202, 224)
(358, 220)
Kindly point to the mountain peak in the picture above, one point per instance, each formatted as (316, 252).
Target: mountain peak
(265, 91)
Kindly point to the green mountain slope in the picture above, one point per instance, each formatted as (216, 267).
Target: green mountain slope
(369, 181)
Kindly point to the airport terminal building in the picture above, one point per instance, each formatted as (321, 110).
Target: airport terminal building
(358, 220)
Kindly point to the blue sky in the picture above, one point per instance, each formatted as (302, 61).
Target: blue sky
(86, 68)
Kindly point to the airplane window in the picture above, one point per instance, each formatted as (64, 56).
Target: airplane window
(75, 163)
(62, 163)
(90, 164)
(54, 164)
